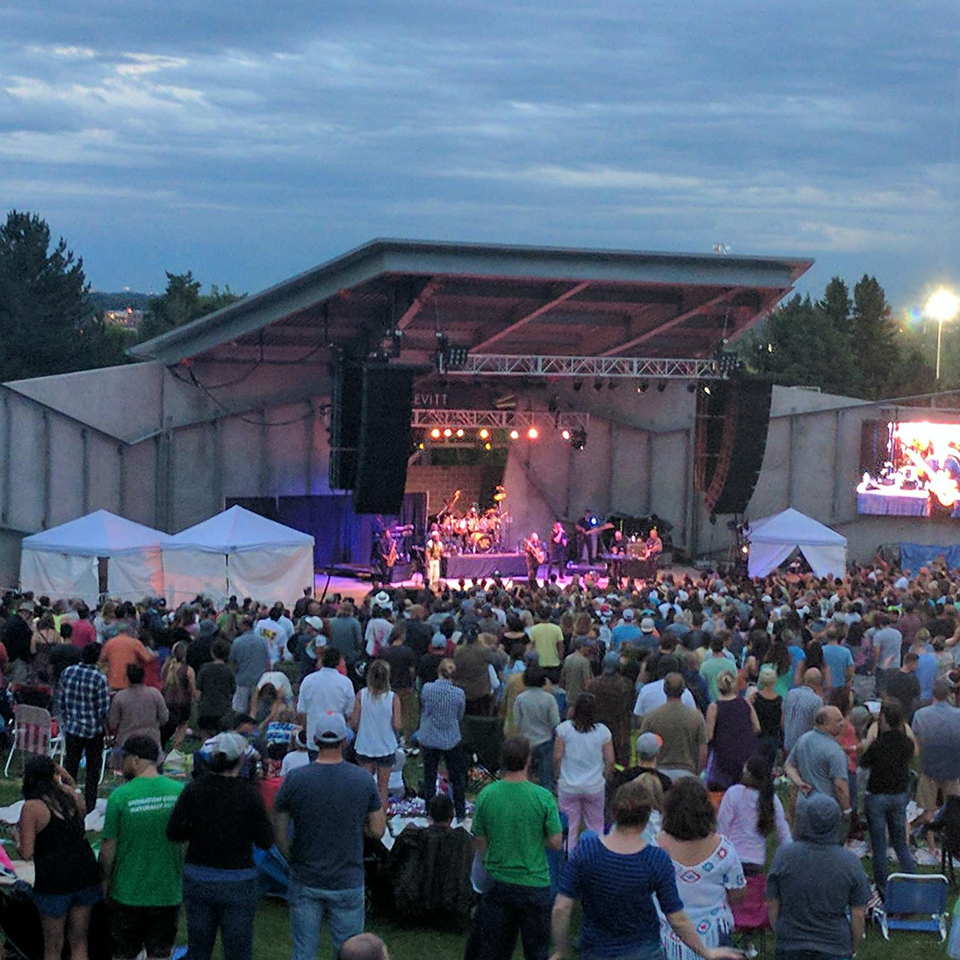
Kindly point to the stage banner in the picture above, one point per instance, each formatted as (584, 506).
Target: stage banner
(913, 556)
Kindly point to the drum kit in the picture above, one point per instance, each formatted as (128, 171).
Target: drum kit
(476, 530)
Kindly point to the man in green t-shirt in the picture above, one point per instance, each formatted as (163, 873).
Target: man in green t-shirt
(513, 823)
(142, 870)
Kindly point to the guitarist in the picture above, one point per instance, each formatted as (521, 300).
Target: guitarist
(558, 550)
(384, 557)
(652, 548)
(588, 537)
(535, 555)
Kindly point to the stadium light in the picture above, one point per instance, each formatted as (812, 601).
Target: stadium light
(942, 305)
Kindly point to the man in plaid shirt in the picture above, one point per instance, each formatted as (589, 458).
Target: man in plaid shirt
(82, 705)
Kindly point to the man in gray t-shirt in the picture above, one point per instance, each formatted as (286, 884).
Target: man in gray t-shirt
(887, 645)
(800, 707)
(536, 715)
(816, 890)
(817, 763)
(250, 658)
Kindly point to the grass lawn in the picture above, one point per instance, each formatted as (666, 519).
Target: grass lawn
(272, 936)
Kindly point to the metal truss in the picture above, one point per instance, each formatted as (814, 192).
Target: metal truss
(498, 419)
(653, 368)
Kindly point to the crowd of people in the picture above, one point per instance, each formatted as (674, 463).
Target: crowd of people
(644, 729)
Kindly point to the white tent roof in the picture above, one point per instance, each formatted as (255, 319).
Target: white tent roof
(98, 534)
(237, 530)
(792, 526)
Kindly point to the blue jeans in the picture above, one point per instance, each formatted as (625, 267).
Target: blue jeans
(229, 907)
(541, 757)
(887, 811)
(506, 910)
(344, 908)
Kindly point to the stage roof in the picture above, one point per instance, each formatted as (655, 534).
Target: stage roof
(493, 299)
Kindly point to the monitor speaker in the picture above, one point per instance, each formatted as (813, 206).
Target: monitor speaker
(347, 395)
(732, 425)
(386, 437)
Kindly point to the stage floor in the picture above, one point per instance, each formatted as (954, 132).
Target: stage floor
(357, 589)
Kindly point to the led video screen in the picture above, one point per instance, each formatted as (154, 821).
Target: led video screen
(910, 469)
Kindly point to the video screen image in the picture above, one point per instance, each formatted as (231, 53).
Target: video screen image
(910, 469)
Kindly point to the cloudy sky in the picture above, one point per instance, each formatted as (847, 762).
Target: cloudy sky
(249, 141)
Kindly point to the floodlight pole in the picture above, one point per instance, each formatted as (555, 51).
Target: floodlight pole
(939, 336)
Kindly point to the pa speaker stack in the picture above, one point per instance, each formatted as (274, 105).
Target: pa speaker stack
(731, 440)
(385, 440)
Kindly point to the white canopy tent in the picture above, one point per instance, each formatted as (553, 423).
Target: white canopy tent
(240, 553)
(63, 561)
(774, 538)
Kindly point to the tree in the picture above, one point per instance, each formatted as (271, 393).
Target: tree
(800, 345)
(43, 301)
(842, 345)
(181, 303)
(874, 335)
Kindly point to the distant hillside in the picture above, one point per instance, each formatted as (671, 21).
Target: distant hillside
(119, 301)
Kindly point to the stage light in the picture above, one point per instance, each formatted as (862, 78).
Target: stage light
(661, 386)
(420, 445)
(484, 434)
(598, 384)
(612, 384)
(460, 432)
(514, 434)
(448, 432)
(565, 434)
(706, 389)
(435, 433)
(643, 386)
(578, 439)
(488, 446)
(691, 388)
(533, 433)
(577, 384)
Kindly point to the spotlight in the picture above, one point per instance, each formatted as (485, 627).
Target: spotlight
(706, 389)
(598, 384)
(643, 386)
(448, 432)
(484, 433)
(533, 433)
(435, 433)
(577, 384)
(661, 386)
(578, 439)
(460, 432)
(612, 384)
(420, 445)
(488, 446)
(691, 388)
(565, 434)
(514, 434)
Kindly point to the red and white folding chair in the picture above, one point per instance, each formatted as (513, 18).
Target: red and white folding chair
(33, 733)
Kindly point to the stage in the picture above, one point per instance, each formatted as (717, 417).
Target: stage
(356, 589)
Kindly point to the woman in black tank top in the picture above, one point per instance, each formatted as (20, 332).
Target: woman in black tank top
(51, 833)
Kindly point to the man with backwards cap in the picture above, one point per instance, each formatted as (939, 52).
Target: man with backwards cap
(331, 805)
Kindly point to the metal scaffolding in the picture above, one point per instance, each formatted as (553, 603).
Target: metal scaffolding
(499, 419)
(637, 368)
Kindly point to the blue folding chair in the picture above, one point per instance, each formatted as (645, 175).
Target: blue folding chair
(915, 902)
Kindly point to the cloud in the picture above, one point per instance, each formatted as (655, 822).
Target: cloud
(247, 144)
